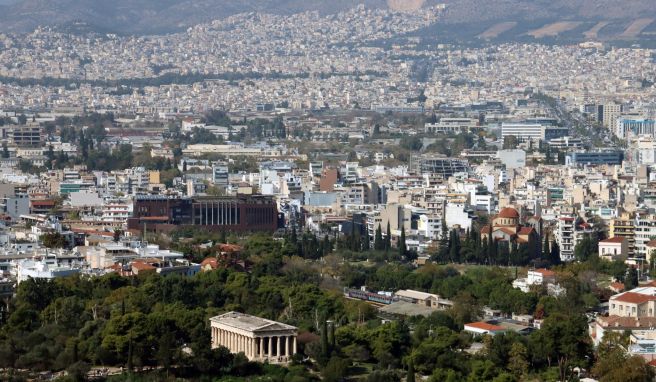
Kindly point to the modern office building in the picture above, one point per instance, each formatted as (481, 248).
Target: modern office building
(451, 126)
(242, 213)
(23, 136)
(595, 158)
(533, 131)
(439, 165)
(626, 127)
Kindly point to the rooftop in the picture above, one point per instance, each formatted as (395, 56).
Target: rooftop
(250, 323)
(415, 294)
(509, 213)
(485, 326)
(633, 298)
(616, 239)
(544, 272)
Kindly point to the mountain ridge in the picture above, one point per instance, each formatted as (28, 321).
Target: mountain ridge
(163, 16)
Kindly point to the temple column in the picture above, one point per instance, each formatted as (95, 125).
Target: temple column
(294, 347)
(289, 346)
(279, 347)
(270, 347)
(246, 349)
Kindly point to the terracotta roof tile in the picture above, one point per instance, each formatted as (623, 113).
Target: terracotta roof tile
(633, 298)
(616, 239)
(485, 326)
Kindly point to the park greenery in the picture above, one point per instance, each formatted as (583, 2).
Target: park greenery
(161, 324)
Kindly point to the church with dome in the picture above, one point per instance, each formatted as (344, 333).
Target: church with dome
(507, 226)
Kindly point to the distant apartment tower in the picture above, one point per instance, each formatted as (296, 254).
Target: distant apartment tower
(611, 111)
(220, 175)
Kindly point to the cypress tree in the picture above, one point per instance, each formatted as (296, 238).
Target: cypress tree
(293, 237)
(327, 245)
(388, 238)
(379, 244)
(546, 251)
(324, 339)
(129, 365)
(365, 242)
(403, 249)
(411, 372)
(555, 254)
(331, 336)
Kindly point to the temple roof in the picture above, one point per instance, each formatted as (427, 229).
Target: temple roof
(250, 323)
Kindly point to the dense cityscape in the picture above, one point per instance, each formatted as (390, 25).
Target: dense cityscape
(325, 197)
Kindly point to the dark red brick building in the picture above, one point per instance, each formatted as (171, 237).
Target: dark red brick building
(244, 213)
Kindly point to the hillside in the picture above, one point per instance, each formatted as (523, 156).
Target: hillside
(464, 21)
(151, 16)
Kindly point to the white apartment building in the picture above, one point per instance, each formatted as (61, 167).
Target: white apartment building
(568, 234)
(116, 212)
(532, 131)
(522, 130)
(457, 214)
(44, 269)
(645, 229)
(451, 126)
